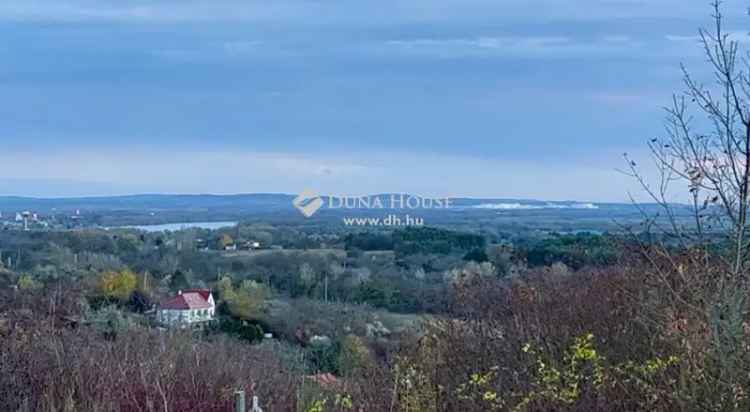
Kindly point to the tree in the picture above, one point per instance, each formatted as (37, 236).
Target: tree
(225, 241)
(139, 302)
(118, 285)
(180, 280)
(354, 355)
(27, 282)
(246, 302)
(470, 271)
(501, 256)
(706, 285)
(476, 255)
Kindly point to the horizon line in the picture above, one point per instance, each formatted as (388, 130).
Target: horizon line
(184, 194)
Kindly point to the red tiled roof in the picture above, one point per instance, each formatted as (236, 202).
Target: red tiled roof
(189, 300)
(205, 293)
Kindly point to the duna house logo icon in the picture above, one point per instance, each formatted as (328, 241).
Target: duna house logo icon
(308, 202)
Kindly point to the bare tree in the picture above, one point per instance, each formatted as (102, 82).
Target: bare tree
(707, 147)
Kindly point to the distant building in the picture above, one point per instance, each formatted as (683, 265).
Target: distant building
(190, 307)
(250, 245)
(26, 216)
(201, 244)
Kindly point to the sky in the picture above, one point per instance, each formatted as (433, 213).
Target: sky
(478, 98)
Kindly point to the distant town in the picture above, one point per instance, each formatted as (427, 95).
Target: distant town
(28, 220)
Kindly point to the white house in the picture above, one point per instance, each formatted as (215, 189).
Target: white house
(190, 307)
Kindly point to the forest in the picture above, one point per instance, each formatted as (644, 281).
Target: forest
(358, 305)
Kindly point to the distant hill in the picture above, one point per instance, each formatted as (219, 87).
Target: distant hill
(510, 215)
(268, 202)
(149, 202)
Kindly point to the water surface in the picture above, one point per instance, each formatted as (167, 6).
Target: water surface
(173, 227)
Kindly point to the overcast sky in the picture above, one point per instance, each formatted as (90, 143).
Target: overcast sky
(500, 98)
